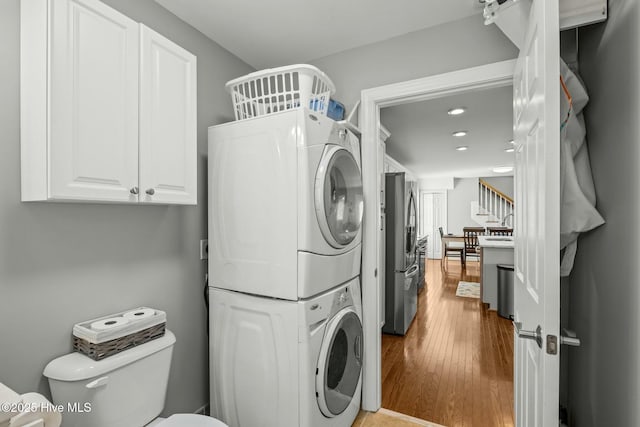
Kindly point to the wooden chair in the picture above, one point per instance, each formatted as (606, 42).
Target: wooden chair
(452, 249)
(471, 241)
(500, 231)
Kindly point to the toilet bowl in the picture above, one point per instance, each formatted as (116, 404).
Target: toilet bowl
(188, 420)
(123, 390)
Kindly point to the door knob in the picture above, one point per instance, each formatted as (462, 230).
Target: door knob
(530, 335)
(568, 337)
(150, 191)
(134, 190)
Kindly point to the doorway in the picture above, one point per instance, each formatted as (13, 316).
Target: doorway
(454, 364)
(476, 78)
(433, 216)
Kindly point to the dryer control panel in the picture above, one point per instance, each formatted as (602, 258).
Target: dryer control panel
(341, 299)
(319, 309)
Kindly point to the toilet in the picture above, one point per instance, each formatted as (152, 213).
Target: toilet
(123, 390)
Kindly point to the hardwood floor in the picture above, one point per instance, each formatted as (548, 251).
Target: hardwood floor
(455, 365)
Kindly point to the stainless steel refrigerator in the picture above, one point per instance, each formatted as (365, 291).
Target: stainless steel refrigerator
(401, 263)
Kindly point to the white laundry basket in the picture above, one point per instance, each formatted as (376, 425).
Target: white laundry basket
(278, 89)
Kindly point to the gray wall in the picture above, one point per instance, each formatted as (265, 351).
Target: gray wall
(456, 45)
(459, 200)
(64, 263)
(604, 377)
(501, 183)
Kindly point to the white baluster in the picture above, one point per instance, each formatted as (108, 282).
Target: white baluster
(493, 202)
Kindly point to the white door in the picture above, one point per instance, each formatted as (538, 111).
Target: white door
(434, 216)
(537, 231)
(93, 102)
(168, 145)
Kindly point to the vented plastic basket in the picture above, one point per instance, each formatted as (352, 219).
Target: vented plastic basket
(278, 89)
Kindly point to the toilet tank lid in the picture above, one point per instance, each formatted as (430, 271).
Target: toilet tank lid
(77, 367)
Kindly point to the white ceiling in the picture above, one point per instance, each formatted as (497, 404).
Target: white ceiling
(421, 134)
(274, 33)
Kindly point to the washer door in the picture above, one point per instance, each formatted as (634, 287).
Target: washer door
(338, 196)
(339, 363)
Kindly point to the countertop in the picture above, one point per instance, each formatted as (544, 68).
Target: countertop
(495, 242)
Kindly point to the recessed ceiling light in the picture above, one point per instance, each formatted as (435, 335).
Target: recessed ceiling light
(510, 150)
(456, 111)
(511, 141)
(503, 169)
(460, 133)
(462, 148)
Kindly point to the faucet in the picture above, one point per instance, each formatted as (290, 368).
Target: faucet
(504, 220)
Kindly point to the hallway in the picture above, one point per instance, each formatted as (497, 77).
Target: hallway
(455, 366)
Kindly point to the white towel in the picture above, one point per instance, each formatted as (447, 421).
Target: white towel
(577, 192)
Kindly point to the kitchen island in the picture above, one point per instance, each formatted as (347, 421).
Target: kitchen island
(495, 250)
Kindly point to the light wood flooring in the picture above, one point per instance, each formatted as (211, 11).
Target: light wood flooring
(455, 365)
(387, 418)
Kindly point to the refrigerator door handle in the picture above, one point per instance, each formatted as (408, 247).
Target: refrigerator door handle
(412, 271)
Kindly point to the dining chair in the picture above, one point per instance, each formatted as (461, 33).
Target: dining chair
(451, 249)
(471, 241)
(500, 231)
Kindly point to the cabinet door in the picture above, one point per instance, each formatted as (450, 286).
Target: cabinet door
(93, 92)
(168, 145)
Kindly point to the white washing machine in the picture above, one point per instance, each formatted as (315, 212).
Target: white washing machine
(285, 205)
(278, 363)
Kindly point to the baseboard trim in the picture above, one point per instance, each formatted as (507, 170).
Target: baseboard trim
(203, 410)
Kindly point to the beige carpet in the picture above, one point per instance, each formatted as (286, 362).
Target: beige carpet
(468, 289)
(387, 418)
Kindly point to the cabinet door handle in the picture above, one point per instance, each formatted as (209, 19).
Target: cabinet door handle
(134, 190)
(150, 191)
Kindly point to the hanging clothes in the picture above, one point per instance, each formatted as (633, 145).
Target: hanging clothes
(577, 192)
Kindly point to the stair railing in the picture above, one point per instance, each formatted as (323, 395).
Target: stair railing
(494, 202)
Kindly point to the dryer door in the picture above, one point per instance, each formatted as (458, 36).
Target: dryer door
(339, 363)
(338, 196)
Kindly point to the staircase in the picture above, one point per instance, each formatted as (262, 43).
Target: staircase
(492, 207)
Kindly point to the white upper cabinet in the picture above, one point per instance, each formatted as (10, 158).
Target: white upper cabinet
(93, 111)
(168, 150)
(108, 108)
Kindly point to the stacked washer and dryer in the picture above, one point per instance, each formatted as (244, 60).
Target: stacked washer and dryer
(285, 214)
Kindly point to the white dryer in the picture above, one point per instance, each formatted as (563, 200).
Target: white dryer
(278, 363)
(285, 205)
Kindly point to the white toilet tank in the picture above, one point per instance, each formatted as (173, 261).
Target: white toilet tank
(124, 390)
